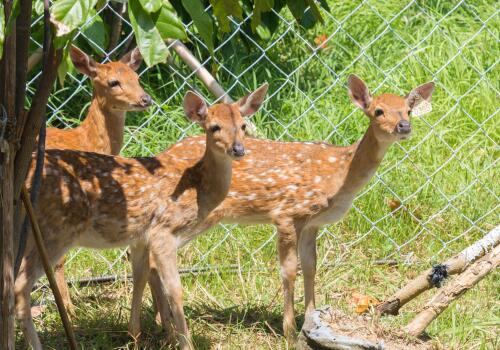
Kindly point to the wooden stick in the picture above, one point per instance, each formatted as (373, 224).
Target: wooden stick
(461, 284)
(198, 69)
(455, 265)
(68, 328)
(206, 77)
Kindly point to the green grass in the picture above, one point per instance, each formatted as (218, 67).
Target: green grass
(446, 176)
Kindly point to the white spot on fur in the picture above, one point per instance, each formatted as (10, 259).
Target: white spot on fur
(317, 179)
(332, 159)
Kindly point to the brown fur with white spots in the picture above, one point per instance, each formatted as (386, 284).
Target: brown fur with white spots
(100, 201)
(116, 90)
(300, 186)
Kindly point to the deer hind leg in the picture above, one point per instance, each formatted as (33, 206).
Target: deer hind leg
(287, 249)
(164, 253)
(307, 253)
(139, 255)
(59, 275)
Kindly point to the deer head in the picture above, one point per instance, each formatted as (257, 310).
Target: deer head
(224, 123)
(116, 84)
(389, 114)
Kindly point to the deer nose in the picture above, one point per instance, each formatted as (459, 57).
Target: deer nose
(238, 150)
(403, 127)
(146, 100)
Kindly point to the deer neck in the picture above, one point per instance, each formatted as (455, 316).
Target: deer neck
(366, 157)
(214, 173)
(104, 128)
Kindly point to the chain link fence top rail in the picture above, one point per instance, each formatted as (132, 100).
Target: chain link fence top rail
(433, 194)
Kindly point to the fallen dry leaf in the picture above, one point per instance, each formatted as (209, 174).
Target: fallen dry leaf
(394, 204)
(363, 302)
(320, 41)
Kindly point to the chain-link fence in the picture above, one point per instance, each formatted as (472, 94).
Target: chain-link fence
(432, 195)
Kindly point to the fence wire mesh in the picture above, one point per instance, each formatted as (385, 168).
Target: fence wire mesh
(432, 195)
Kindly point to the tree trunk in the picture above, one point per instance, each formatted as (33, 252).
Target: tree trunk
(7, 154)
(7, 245)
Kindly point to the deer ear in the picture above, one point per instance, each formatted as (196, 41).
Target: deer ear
(195, 107)
(252, 102)
(84, 63)
(420, 94)
(133, 59)
(358, 92)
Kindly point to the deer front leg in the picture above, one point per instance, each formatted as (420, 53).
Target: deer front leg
(29, 272)
(59, 275)
(164, 253)
(287, 249)
(307, 252)
(139, 255)
(24, 284)
(161, 307)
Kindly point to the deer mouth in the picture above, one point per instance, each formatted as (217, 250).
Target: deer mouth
(403, 136)
(137, 108)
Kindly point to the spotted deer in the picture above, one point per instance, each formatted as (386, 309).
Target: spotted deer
(301, 186)
(101, 201)
(116, 90)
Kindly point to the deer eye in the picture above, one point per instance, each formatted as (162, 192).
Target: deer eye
(244, 127)
(113, 83)
(214, 128)
(378, 112)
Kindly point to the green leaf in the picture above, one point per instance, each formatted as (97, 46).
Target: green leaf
(225, 8)
(63, 68)
(168, 24)
(151, 6)
(2, 28)
(95, 32)
(202, 21)
(259, 7)
(68, 15)
(38, 7)
(297, 8)
(147, 36)
(315, 11)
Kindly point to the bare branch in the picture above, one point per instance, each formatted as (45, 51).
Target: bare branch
(453, 290)
(455, 265)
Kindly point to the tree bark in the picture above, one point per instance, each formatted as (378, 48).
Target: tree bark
(23, 30)
(453, 290)
(7, 154)
(34, 119)
(7, 246)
